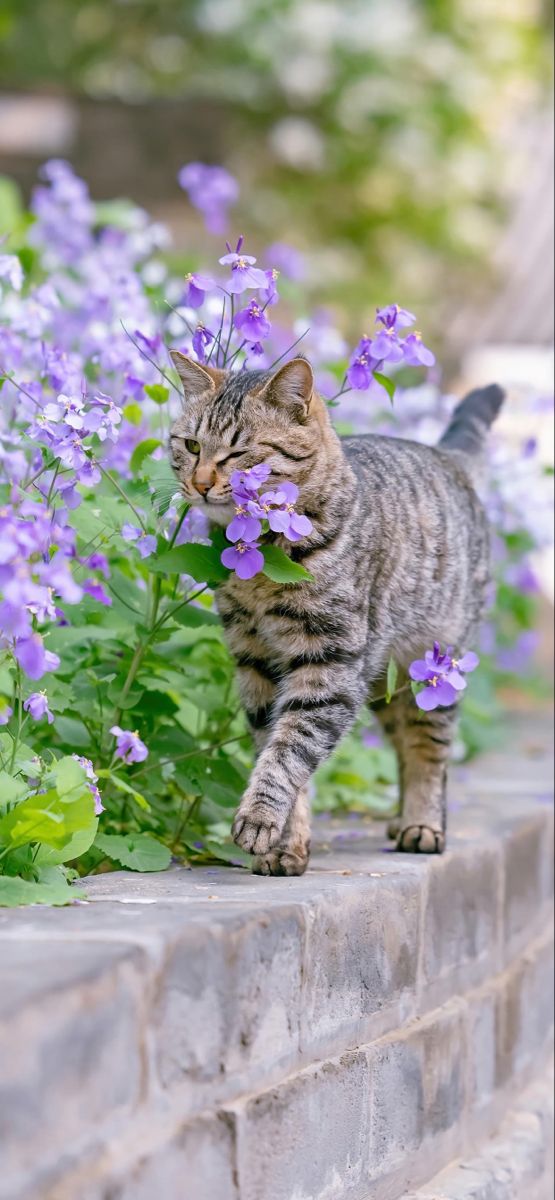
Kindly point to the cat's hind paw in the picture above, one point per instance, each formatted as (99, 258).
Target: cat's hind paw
(421, 839)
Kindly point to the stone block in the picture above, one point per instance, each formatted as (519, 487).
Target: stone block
(70, 1048)
(461, 930)
(227, 1009)
(308, 1138)
(528, 852)
(361, 961)
(197, 1164)
(418, 1094)
(524, 1012)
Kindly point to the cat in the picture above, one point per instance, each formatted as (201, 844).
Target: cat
(399, 554)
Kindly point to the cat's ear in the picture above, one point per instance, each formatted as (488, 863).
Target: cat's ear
(292, 387)
(196, 380)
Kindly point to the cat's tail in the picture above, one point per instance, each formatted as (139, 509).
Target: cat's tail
(471, 420)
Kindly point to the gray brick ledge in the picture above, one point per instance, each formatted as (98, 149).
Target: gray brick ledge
(515, 1164)
(170, 1004)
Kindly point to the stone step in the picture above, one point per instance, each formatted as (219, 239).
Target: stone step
(214, 1036)
(516, 1164)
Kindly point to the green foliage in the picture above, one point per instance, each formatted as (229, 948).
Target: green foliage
(138, 852)
(279, 567)
(372, 122)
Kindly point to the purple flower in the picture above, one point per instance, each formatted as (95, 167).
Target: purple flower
(11, 270)
(244, 558)
(88, 768)
(467, 663)
(385, 346)
(202, 338)
(270, 295)
(244, 274)
(197, 287)
(249, 481)
(37, 706)
(96, 591)
(212, 190)
(145, 543)
(415, 353)
(5, 712)
(244, 526)
(279, 509)
(97, 562)
(129, 746)
(443, 676)
(252, 322)
(394, 317)
(14, 620)
(359, 374)
(33, 658)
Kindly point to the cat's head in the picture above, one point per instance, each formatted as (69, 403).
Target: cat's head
(233, 420)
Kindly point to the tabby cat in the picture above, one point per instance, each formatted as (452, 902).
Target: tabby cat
(399, 557)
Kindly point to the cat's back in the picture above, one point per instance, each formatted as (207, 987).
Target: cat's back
(396, 467)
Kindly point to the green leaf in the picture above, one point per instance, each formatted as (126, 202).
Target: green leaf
(157, 392)
(11, 790)
(47, 818)
(196, 616)
(123, 786)
(280, 568)
(392, 676)
(133, 413)
(137, 851)
(71, 780)
(386, 383)
(77, 845)
(15, 892)
(202, 562)
(142, 451)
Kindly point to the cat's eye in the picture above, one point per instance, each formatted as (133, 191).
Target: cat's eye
(192, 446)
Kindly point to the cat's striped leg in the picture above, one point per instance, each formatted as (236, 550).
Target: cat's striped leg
(317, 703)
(425, 750)
(291, 855)
(392, 718)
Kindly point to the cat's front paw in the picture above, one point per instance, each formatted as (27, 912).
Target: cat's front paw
(257, 827)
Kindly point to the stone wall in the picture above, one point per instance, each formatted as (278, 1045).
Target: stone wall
(207, 1035)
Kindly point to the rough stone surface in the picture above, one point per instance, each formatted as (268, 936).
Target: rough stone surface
(516, 1164)
(209, 1035)
(307, 1139)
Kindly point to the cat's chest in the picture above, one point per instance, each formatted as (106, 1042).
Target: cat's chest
(254, 596)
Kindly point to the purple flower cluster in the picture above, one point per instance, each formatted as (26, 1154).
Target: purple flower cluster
(35, 555)
(92, 778)
(442, 676)
(257, 514)
(386, 348)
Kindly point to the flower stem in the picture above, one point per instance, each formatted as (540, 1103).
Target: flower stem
(18, 702)
(119, 489)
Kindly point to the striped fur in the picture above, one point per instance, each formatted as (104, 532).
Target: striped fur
(399, 557)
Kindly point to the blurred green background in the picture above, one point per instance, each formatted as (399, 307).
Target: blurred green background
(390, 135)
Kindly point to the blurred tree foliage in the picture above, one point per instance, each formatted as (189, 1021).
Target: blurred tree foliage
(374, 127)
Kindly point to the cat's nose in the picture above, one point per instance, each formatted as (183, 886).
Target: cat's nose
(203, 478)
(201, 486)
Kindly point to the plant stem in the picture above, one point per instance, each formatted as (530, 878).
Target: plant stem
(239, 737)
(119, 489)
(18, 701)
